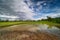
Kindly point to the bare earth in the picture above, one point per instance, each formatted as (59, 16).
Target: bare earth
(25, 32)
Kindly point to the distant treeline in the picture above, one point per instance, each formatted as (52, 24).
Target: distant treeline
(55, 20)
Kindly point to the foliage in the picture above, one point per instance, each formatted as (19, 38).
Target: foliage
(49, 21)
(55, 20)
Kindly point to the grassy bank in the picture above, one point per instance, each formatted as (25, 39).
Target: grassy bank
(6, 24)
(50, 23)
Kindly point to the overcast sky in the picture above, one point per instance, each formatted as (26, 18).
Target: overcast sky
(29, 9)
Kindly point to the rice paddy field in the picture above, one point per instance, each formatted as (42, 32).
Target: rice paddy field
(7, 24)
(43, 30)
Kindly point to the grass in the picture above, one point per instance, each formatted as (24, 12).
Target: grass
(51, 23)
(18, 35)
(6, 24)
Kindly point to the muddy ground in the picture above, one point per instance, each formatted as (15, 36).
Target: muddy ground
(25, 32)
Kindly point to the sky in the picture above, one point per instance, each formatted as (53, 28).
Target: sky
(29, 9)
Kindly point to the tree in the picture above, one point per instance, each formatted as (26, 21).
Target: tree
(49, 18)
(0, 19)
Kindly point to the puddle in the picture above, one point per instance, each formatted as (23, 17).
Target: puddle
(42, 27)
(52, 30)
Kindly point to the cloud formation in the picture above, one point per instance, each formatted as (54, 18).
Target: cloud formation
(29, 9)
(16, 8)
(44, 8)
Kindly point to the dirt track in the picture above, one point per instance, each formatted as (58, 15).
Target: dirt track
(26, 32)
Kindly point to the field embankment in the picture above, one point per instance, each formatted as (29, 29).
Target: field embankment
(7, 24)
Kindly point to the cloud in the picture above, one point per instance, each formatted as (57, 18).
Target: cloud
(22, 10)
(28, 9)
(35, 6)
(16, 8)
(5, 16)
(52, 15)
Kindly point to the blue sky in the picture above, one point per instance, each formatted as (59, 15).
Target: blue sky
(45, 8)
(29, 9)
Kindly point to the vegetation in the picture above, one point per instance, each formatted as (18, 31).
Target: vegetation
(54, 20)
(49, 21)
(5, 24)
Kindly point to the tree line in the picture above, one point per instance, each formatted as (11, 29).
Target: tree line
(56, 20)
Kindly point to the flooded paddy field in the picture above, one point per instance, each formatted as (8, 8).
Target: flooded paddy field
(30, 32)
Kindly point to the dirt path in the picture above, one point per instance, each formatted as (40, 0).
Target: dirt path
(21, 27)
(25, 32)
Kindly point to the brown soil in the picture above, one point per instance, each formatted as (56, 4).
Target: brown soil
(26, 35)
(25, 32)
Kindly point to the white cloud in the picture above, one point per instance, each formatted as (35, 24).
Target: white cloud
(5, 16)
(39, 3)
(19, 9)
(23, 9)
(32, 5)
(53, 15)
(13, 8)
(44, 16)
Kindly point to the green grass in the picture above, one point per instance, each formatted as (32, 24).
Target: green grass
(7, 24)
(50, 23)
(45, 22)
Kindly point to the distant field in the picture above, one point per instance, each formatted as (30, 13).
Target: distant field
(6, 24)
